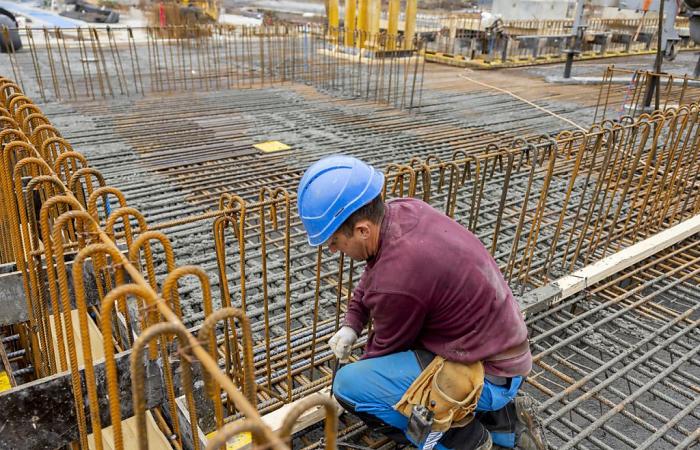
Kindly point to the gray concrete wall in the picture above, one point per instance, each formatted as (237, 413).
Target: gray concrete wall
(533, 9)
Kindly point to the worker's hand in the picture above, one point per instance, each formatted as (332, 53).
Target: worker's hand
(341, 343)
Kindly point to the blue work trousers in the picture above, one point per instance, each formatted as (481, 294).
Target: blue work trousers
(373, 386)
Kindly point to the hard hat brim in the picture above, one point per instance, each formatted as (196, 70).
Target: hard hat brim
(374, 188)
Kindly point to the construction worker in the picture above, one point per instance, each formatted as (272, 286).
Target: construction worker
(432, 291)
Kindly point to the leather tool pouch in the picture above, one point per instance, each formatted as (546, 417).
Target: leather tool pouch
(450, 390)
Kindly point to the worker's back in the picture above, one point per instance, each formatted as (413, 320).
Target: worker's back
(434, 285)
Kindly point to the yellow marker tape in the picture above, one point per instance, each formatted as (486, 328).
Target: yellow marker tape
(271, 146)
(4, 382)
(238, 442)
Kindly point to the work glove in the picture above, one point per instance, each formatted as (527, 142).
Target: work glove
(341, 343)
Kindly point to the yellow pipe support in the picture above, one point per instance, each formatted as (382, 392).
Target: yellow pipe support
(362, 20)
(409, 29)
(393, 25)
(333, 19)
(350, 9)
(373, 16)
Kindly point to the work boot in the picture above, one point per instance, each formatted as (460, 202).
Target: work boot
(471, 437)
(531, 436)
(486, 445)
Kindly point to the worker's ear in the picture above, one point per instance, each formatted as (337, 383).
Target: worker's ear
(362, 229)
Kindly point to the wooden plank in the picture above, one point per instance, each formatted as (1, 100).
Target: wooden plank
(183, 418)
(275, 419)
(590, 275)
(96, 341)
(156, 439)
(553, 293)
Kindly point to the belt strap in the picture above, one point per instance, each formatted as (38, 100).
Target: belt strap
(512, 352)
(424, 357)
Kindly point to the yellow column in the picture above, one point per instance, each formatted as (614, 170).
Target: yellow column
(362, 21)
(362, 15)
(333, 19)
(349, 22)
(393, 24)
(409, 30)
(375, 13)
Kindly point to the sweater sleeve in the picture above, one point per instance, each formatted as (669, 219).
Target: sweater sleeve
(397, 321)
(357, 314)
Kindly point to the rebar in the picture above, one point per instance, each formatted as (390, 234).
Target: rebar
(95, 242)
(141, 61)
(617, 365)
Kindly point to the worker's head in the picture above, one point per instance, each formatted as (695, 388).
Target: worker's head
(340, 204)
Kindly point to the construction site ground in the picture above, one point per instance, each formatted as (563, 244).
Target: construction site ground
(198, 147)
(633, 338)
(164, 172)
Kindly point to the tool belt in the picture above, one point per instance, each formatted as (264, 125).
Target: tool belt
(451, 390)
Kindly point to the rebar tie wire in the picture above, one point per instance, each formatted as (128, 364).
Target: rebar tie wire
(517, 97)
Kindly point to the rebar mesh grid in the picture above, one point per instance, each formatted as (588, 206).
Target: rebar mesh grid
(617, 366)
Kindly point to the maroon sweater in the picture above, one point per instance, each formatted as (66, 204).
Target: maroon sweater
(433, 285)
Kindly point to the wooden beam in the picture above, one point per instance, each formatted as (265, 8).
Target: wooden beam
(275, 419)
(553, 293)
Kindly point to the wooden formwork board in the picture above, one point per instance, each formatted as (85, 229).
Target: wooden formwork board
(156, 439)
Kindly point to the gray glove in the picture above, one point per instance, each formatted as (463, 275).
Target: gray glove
(341, 343)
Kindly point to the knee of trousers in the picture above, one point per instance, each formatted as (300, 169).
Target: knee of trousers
(359, 385)
(352, 393)
(345, 385)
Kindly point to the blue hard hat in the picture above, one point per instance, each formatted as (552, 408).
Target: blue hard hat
(331, 190)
